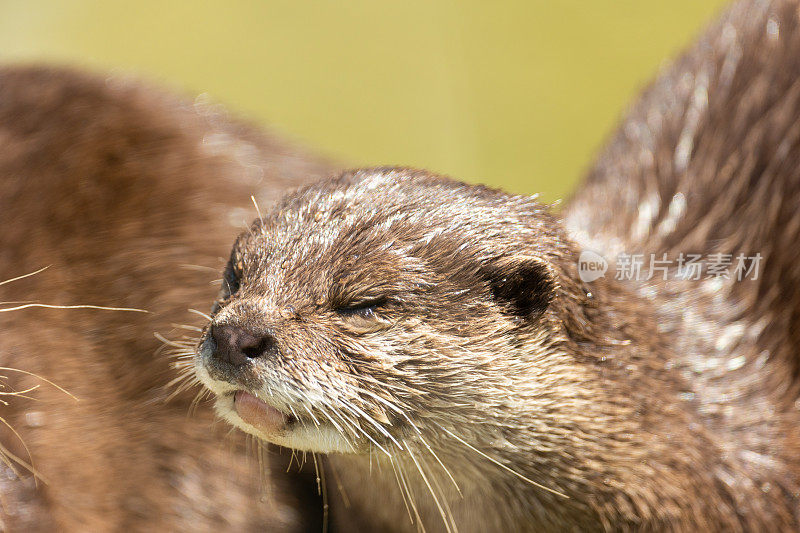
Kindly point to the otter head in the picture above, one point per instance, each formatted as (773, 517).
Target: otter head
(383, 309)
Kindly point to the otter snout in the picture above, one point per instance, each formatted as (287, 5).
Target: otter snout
(237, 346)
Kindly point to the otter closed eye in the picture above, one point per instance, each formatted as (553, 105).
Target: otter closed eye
(363, 309)
(230, 282)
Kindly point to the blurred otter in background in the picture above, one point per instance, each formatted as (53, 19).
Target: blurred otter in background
(438, 344)
(130, 196)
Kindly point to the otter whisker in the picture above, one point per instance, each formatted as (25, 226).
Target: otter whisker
(180, 344)
(383, 401)
(25, 275)
(49, 306)
(446, 470)
(367, 435)
(228, 435)
(401, 489)
(256, 448)
(339, 486)
(332, 421)
(349, 424)
(501, 465)
(294, 413)
(183, 363)
(182, 353)
(352, 408)
(444, 508)
(199, 397)
(266, 486)
(8, 458)
(22, 393)
(395, 386)
(37, 376)
(311, 414)
(200, 313)
(419, 434)
(401, 474)
(183, 358)
(330, 414)
(6, 453)
(185, 381)
(293, 458)
(260, 216)
(203, 268)
(187, 327)
(322, 490)
(249, 444)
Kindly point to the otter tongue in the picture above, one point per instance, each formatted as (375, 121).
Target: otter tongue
(257, 413)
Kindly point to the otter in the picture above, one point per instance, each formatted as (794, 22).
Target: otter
(439, 347)
(128, 194)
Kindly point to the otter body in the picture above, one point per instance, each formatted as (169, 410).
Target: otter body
(437, 342)
(130, 196)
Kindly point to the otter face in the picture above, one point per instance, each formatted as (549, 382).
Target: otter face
(362, 309)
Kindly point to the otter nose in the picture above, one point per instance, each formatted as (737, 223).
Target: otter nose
(237, 346)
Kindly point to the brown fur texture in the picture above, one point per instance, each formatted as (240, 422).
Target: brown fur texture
(436, 341)
(131, 196)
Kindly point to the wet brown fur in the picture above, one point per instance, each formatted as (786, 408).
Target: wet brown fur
(647, 406)
(131, 196)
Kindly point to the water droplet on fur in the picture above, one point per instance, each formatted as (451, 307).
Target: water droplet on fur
(34, 419)
(773, 29)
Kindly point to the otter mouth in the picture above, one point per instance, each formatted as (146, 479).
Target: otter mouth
(273, 419)
(260, 414)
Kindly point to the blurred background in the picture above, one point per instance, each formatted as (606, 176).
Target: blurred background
(517, 94)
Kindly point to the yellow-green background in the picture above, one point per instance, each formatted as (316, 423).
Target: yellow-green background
(519, 94)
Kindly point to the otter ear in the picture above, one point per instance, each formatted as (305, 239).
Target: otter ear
(524, 285)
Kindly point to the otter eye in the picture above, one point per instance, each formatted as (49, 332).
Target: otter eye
(361, 309)
(230, 285)
(230, 280)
